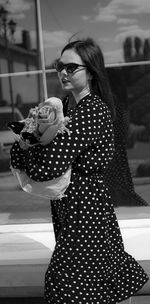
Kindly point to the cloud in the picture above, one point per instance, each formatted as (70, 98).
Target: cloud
(126, 21)
(85, 18)
(104, 39)
(119, 8)
(106, 14)
(129, 28)
(56, 38)
(51, 39)
(132, 31)
(17, 7)
(132, 6)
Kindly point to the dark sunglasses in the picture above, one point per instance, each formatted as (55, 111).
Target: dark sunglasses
(69, 67)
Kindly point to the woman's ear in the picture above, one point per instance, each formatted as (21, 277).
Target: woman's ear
(89, 76)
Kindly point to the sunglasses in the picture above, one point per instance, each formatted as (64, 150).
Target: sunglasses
(69, 67)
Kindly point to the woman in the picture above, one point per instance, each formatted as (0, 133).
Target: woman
(89, 264)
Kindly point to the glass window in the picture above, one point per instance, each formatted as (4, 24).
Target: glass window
(21, 91)
(116, 25)
(130, 87)
(19, 46)
(17, 206)
(28, 50)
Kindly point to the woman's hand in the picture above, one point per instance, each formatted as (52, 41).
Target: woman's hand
(23, 145)
(50, 133)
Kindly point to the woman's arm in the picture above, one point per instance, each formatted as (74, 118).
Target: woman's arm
(48, 162)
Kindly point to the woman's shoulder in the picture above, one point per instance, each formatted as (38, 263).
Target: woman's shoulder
(89, 100)
(95, 101)
(93, 105)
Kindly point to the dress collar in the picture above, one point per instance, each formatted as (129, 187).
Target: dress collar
(82, 100)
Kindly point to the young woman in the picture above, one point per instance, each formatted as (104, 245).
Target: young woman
(89, 264)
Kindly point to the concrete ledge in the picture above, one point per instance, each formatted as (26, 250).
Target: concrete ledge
(22, 300)
(40, 300)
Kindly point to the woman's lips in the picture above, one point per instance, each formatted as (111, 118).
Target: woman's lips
(64, 80)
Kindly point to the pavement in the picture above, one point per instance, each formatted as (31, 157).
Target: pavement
(22, 301)
(133, 300)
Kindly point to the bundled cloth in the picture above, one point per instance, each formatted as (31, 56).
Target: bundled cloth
(41, 126)
(53, 189)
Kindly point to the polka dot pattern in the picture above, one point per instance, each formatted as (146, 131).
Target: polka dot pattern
(89, 264)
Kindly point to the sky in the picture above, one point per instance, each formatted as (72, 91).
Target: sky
(109, 22)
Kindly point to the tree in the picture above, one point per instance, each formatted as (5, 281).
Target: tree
(127, 47)
(146, 49)
(138, 46)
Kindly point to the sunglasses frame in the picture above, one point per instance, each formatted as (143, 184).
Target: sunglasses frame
(66, 67)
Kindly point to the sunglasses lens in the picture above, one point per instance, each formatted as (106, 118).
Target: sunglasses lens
(71, 67)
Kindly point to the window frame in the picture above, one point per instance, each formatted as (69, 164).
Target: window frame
(28, 266)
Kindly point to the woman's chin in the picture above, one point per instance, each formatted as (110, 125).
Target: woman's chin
(66, 88)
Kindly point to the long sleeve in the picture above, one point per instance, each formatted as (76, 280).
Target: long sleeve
(18, 157)
(89, 123)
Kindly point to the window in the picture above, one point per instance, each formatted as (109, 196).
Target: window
(39, 32)
(29, 48)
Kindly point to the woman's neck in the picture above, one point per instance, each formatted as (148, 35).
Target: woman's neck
(82, 94)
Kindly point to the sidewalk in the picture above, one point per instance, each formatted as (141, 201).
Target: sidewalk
(133, 300)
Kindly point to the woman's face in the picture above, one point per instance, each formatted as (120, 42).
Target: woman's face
(77, 81)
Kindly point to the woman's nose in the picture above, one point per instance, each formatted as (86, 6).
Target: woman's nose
(64, 71)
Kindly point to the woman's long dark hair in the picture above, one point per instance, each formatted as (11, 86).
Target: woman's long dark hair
(92, 56)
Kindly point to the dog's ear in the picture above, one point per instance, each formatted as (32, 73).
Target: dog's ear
(16, 126)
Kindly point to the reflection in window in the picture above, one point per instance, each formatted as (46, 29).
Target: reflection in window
(130, 86)
(15, 205)
(18, 36)
(27, 92)
(134, 92)
(136, 49)
(19, 52)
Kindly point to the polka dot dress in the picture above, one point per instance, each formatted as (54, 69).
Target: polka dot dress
(89, 264)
